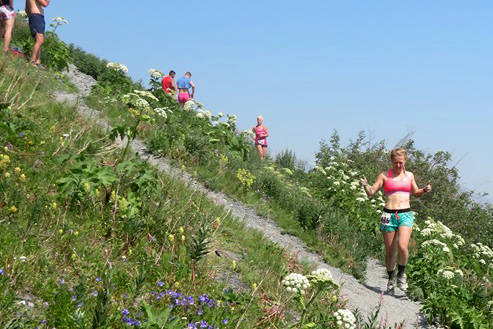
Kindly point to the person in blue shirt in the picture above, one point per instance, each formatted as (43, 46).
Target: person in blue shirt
(184, 84)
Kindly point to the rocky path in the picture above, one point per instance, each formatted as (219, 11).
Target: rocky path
(365, 297)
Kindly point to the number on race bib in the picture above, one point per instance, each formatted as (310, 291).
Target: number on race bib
(385, 219)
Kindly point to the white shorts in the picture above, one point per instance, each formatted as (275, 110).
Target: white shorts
(6, 13)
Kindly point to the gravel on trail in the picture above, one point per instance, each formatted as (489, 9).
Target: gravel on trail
(365, 297)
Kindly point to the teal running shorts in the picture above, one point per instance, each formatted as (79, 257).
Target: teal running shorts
(391, 220)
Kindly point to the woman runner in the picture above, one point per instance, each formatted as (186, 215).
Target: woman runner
(397, 218)
(261, 134)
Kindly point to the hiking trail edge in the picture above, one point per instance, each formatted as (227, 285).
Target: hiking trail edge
(364, 297)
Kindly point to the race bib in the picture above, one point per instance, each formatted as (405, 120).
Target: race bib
(261, 141)
(385, 219)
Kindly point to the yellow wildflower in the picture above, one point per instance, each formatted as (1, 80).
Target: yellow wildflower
(17, 170)
(181, 230)
(76, 233)
(171, 237)
(87, 186)
(54, 205)
(254, 286)
(22, 178)
(74, 256)
(182, 238)
(233, 265)
(60, 231)
(7, 175)
(13, 209)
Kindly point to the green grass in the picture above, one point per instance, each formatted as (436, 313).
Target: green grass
(78, 238)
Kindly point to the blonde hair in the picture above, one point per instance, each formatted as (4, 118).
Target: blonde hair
(260, 117)
(398, 152)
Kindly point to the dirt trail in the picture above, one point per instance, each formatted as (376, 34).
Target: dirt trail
(365, 297)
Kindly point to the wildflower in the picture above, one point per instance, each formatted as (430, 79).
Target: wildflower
(13, 209)
(321, 276)
(53, 205)
(74, 256)
(171, 237)
(1, 271)
(117, 67)
(181, 230)
(74, 298)
(182, 238)
(60, 231)
(23, 258)
(80, 304)
(98, 279)
(225, 321)
(17, 170)
(61, 282)
(76, 233)
(125, 312)
(360, 199)
(22, 13)
(233, 265)
(296, 283)
(95, 293)
(446, 249)
(345, 319)
(7, 175)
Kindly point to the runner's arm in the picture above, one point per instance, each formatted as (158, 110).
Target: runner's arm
(372, 190)
(266, 132)
(173, 84)
(416, 191)
(193, 87)
(44, 3)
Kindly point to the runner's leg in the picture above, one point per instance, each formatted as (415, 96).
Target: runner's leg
(260, 151)
(404, 236)
(36, 55)
(390, 241)
(9, 26)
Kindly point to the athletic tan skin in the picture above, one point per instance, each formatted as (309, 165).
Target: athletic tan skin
(37, 7)
(6, 28)
(399, 241)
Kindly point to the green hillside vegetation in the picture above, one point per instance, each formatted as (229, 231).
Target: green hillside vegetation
(93, 237)
(115, 203)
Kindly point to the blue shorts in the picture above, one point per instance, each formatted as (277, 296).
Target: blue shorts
(391, 220)
(37, 24)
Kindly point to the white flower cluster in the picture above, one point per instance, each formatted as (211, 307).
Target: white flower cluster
(345, 319)
(231, 119)
(189, 105)
(22, 13)
(296, 283)
(204, 114)
(155, 74)
(117, 67)
(60, 20)
(321, 275)
(438, 243)
(161, 111)
(449, 275)
(145, 93)
(482, 250)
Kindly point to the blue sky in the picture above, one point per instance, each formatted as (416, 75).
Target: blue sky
(310, 67)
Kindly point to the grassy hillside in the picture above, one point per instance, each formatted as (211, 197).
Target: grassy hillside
(118, 201)
(93, 237)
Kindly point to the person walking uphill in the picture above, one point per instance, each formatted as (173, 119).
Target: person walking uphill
(168, 83)
(261, 134)
(397, 218)
(184, 84)
(7, 19)
(35, 13)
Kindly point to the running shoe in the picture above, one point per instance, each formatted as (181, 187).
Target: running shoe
(391, 285)
(402, 282)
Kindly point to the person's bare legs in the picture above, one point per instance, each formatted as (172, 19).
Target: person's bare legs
(260, 151)
(36, 54)
(390, 240)
(8, 26)
(264, 149)
(404, 236)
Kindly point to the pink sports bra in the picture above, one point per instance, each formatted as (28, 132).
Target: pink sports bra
(393, 186)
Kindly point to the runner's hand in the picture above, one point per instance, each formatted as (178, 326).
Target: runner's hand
(427, 187)
(363, 181)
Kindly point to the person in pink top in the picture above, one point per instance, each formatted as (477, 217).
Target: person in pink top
(261, 134)
(396, 222)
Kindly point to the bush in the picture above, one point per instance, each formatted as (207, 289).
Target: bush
(87, 63)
